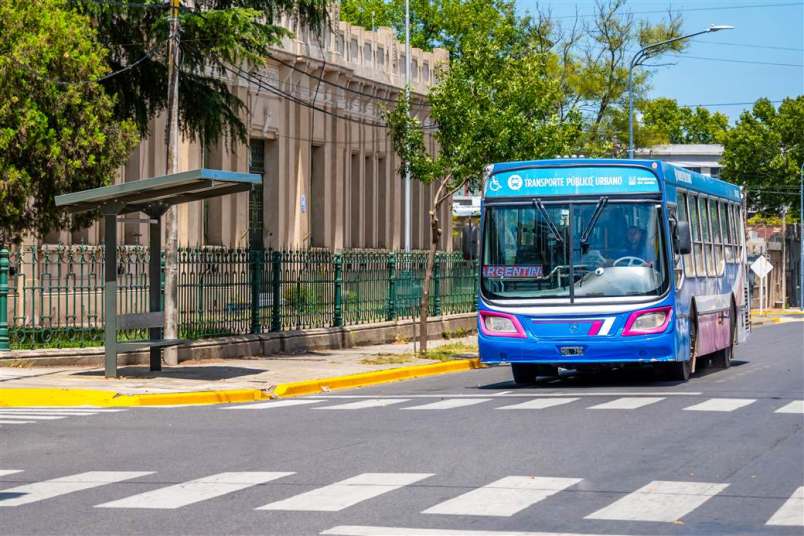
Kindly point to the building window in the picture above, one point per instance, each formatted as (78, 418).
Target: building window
(380, 56)
(715, 172)
(257, 166)
(353, 51)
(414, 70)
(426, 72)
(339, 43)
(367, 54)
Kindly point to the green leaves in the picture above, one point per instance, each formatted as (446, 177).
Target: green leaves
(57, 129)
(765, 151)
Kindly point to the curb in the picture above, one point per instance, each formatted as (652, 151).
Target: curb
(309, 387)
(85, 397)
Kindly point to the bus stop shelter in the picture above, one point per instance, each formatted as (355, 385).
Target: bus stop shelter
(152, 197)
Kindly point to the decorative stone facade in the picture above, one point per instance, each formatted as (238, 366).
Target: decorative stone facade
(330, 174)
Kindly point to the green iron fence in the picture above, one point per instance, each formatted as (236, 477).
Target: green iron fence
(54, 295)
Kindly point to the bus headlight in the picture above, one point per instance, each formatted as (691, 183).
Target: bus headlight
(500, 325)
(648, 321)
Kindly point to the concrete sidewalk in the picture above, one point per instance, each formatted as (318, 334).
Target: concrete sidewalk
(262, 374)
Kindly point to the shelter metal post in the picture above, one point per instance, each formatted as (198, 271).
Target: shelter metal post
(110, 291)
(154, 282)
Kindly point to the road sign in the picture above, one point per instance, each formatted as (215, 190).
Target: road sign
(761, 267)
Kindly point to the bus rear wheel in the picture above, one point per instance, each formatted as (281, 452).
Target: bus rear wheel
(679, 371)
(722, 358)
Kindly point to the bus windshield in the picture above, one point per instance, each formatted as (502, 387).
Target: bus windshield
(583, 249)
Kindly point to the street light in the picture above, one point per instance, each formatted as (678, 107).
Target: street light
(801, 239)
(640, 57)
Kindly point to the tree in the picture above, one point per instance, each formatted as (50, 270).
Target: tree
(664, 119)
(215, 35)
(764, 152)
(58, 132)
(496, 102)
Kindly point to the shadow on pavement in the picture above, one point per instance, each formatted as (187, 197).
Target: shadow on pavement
(211, 373)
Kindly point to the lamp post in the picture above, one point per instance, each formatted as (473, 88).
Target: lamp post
(408, 211)
(801, 239)
(645, 53)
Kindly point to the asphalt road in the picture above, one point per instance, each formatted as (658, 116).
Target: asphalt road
(461, 454)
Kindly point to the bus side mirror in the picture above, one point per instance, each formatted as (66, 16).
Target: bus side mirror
(682, 240)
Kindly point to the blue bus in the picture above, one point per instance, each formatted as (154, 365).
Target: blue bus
(595, 263)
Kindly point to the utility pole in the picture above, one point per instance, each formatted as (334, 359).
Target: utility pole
(408, 215)
(171, 216)
(784, 257)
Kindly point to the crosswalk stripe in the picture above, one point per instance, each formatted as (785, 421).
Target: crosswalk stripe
(628, 402)
(504, 497)
(340, 495)
(4, 472)
(362, 530)
(194, 491)
(275, 404)
(791, 514)
(661, 500)
(540, 403)
(32, 417)
(17, 422)
(451, 403)
(39, 491)
(721, 404)
(49, 412)
(796, 406)
(368, 403)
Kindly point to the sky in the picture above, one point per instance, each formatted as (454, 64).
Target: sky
(718, 68)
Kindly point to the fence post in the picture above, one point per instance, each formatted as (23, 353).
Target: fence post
(337, 317)
(437, 285)
(390, 265)
(255, 260)
(276, 291)
(4, 346)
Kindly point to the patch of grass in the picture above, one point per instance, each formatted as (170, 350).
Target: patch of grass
(453, 350)
(387, 359)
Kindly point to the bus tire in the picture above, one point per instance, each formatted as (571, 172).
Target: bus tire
(722, 358)
(678, 371)
(524, 373)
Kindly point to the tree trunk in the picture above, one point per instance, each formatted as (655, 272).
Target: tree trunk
(424, 311)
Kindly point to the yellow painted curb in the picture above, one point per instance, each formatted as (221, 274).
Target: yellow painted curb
(86, 397)
(363, 379)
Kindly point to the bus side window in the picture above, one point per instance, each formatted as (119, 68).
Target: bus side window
(683, 215)
(728, 230)
(706, 234)
(697, 248)
(717, 237)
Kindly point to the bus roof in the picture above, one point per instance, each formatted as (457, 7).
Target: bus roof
(667, 172)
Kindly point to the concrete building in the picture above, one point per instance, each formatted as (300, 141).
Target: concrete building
(330, 174)
(700, 157)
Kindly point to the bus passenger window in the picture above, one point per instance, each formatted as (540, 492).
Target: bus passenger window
(717, 239)
(728, 233)
(706, 236)
(697, 249)
(683, 215)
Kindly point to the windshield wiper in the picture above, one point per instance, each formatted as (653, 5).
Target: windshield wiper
(592, 222)
(550, 224)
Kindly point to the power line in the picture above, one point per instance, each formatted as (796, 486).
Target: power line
(684, 10)
(746, 45)
(727, 104)
(686, 56)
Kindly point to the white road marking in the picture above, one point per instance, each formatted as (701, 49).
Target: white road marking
(20, 416)
(194, 491)
(357, 530)
(503, 498)
(276, 404)
(369, 403)
(629, 402)
(661, 500)
(791, 514)
(796, 406)
(540, 403)
(451, 403)
(346, 493)
(530, 394)
(17, 422)
(39, 491)
(4, 472)
(501, 393)
(722, 404)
